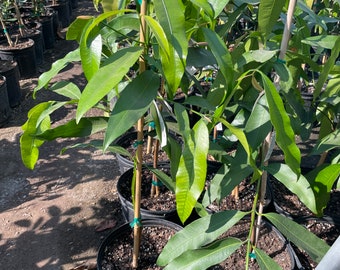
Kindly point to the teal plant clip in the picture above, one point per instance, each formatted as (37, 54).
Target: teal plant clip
(280, 61)
(136, 143)
(136, 221)
(157, 183)
(152, 124)
(252, 255)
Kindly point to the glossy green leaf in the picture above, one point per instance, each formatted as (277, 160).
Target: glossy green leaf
(285, 137)
(269, 13)
(258, 125)
(192, 169)
(171, 16)
(132, 104)
(222, 55)
(98, 144)
(260, 56)
(160, 37)
(56, 67)
(212, 7)
(265, 262)
(298, 185)
(327, 143)
(107, 77)
(300, 236)
(76, 28)
(85, 127)
(327, 41)
(29, 144)
(199, 233)
(203, 258)
(91, 53)
(327, 68)
(91, 44)
(322, 185)
(67, 89)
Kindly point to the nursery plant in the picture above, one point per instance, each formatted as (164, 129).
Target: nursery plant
(163, 43)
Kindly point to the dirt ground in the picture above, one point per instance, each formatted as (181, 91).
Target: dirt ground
(49, 216)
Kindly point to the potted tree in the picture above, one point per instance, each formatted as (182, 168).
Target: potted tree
(241, 82)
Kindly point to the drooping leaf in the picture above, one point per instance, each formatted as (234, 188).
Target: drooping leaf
(269, 13)
(212, 7)
(327, 143)
(91, 43)
(205, 257)
(327, 68)
(300, 236)
(67, 89)
(265, 262)
(57, 66)
(85, 127)
(192, 169)
(171, 16)
(107, 77)
(75, 29)
(29, 144)
(299, 185)
(285, 136)
(322, 184)
(133, 103)
(222, 55)
(198, 234)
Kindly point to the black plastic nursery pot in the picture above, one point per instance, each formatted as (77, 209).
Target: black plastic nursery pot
(38, 38)
(115, 252)
(157, 212)
(48, 30)
(24, 54)
(9, 69)
(64, 12)
(5, 110)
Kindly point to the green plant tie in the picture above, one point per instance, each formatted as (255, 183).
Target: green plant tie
(157, 183)
(5, 31)
(21, 26)
(152, 124)
(140, 2)
(252, 255)
(281, 61)
(136, 143)
(136, 221)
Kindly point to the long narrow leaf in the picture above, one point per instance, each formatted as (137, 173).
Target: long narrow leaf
(133, 103)
(192, 170)
(199, 233)
(205, 257)
(107, 78)
(57, 66)
(85, 127)
(269, 12)
(285, 137)
(300, 236)
(171, 16)
(29, 144)
(265, 262)
(298, 185)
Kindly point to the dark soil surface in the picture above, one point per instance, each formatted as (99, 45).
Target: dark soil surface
(49, 217)
(118, 254)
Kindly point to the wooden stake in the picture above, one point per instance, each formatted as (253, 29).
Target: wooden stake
(140, 137)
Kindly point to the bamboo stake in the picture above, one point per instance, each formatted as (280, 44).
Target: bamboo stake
(8, 37)
(22, 28)
(155, 186)
(140, 137)
(265, 146)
